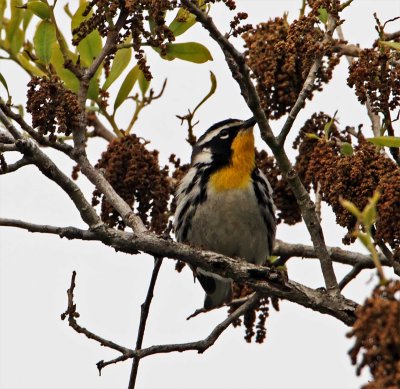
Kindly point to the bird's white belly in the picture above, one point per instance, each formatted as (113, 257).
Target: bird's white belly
(230, 223)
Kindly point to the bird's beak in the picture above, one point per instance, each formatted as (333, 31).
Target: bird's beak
(250, 123)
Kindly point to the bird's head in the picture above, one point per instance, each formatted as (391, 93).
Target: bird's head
(228, 148)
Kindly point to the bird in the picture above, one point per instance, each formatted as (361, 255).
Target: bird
(224, 203)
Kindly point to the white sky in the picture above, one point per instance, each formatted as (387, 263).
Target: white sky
(303, 349)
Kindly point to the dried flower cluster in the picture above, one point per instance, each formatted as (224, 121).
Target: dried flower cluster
(284, 199)
(53, 107)
(236, 27)
(146, 23)
(135, 174)
(281, 55)
(254, 320)
(377, 337)
(376, 75)
(354, 177)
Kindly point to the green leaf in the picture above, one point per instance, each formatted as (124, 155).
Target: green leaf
(346, 149)
(323, 15)
(93, 90)
(365, 239)
(369, 212)
(43, 40)
(40, 9)
(90, 47)
(351, 208)
(189, 51)
(152, 24)
(77, 17)
(327, 127)
(392, 45)
(143, 83)
(388, 141)
(17, 41)
(15, 20)
(24, 61)
(26, 19)
(4, 82)
(182, 22)
(312, 136)
(57, 60)
(120, 62)
(2, 9)
(213, 88)
(126, 86)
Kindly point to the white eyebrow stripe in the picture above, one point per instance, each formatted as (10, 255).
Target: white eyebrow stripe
(212, 134)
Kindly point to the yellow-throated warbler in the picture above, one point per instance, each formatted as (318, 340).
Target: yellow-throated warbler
(224, 203)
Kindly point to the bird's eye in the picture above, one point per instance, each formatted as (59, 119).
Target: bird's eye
(224, 134)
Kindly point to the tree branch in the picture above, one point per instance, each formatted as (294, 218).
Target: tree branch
(86, 168)
(202, 345)
(350, 276)
(47, 167)
(65, 148)
(121, 241)
(72, 315)
(266, 281)
(101, 131)
(144, 313)
(79, 136)
(4, 147)
(15, 166)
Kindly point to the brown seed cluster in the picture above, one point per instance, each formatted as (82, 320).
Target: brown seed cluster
(254, 320)
(376, 75)
(146, 22)
(305, 144)
(237, 28)
(354, 177)
(135, 174)
(377, 337)
(284, 199)
(53, 107)
(280, 56)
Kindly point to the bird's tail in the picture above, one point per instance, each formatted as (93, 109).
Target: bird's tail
(218, 289)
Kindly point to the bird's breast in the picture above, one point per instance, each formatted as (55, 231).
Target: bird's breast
(230, 223)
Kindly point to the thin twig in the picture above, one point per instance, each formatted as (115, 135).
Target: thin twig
(86, 167)
(8, 147)
(201, 345)
(144, 313)
(65, 148)
(350, 276)
(13, 167)
(47, 167)
(71, 314)
(101, 131)
(79, 135)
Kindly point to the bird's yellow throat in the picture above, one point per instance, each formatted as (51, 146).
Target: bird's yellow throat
(238, 173)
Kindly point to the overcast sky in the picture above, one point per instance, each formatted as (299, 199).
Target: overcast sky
(303, 349)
